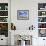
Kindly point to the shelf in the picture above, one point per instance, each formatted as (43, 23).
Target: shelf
(42, 19)
(41, 22)
(3, 10)
(3, 22)
(3, 16)
(42, 16)
(41, 28)
(41, 10)
(4, 19)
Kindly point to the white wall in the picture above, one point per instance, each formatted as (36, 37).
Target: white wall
(24, 5)
(32, 6)
(3, 1)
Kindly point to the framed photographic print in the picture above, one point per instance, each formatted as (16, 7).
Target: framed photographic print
(22, 14)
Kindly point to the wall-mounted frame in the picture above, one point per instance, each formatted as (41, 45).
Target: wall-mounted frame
(22, 14)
